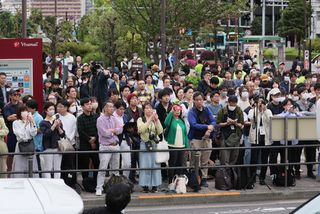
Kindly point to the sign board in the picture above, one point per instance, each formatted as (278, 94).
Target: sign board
(254, 49)
(301, 128)
(21, 60)
(19, 74)
(138, 65)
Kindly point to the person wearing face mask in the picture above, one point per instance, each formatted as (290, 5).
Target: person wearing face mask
(72, 98)
(285, 84)
(24, 129)
(52, 130)
(223, 96)
(69, 124)
(243, 102)
(230, 120)
(304, 105)
(294, 95)
(275, 104)
(294, 154)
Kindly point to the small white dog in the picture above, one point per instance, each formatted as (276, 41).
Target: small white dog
(179, 184)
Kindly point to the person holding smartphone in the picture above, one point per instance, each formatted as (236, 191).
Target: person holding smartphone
(230, 120)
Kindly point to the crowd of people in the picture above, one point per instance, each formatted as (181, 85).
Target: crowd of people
(118, 109)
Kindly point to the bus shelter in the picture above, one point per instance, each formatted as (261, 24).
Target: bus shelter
(256, 44)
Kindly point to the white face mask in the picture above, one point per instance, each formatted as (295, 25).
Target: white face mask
(278, 99)
(95, 105)
(51, 113)
(245, 94)
(208, 98)
(231, 108)
(295, 98)
(24, 115)
(73, 109)
(281, 99)
(314, 79)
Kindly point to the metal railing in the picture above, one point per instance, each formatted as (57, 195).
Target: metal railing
(196, 165)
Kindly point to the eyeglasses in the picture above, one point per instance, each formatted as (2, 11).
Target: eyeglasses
(17, 95)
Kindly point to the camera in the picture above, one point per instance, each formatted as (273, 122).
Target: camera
(154, 138)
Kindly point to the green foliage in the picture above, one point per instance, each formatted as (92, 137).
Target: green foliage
(77, 49)
(256, 26)
(194, 80)
(292, 20)
(6, 24)
(315, 45)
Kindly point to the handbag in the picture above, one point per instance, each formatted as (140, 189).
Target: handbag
(162, 157)
(65, 145)
(27, 146)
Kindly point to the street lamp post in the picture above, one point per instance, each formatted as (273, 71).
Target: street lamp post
(163, 34)
(24, 18)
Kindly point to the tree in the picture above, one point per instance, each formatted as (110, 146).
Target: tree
(291, 23)
(256, 26)
(6, 24)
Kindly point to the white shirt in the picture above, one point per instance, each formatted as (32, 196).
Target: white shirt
(68, 62)
(23, 131)
(69, 125)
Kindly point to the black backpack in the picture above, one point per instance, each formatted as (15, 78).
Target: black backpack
(226, 179)
(279, 179)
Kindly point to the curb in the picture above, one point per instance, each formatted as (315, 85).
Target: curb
(207, 198)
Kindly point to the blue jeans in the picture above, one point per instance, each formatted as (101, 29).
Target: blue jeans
(247, 153)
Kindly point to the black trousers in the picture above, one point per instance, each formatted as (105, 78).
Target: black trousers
(294, 156)
(310, 153)
(67, 163)
(175, 160)
(264, 153)
(274, 156)
(84, 159)
(134, 159)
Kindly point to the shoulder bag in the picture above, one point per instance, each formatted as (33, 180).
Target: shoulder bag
(162, 157)
(26, 146)
(65, 145)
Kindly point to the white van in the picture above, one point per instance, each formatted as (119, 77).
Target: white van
(38, 196)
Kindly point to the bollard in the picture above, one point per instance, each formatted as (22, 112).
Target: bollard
(197, 166)
(30, 166)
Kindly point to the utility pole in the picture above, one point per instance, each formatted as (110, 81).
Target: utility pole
(263, 20)
(163, 34)
(305, 20)
(24, 18)
(310, 32)
(273, 19)
(54, 41)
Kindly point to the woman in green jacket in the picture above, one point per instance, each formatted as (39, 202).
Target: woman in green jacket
(177, 138)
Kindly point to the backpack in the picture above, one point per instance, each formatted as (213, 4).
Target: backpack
(279, 179)
(226, 179)
(117, 179)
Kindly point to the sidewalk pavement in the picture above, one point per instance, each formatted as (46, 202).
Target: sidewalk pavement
(305, 188)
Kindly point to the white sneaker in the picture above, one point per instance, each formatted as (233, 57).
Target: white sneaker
(98, 192)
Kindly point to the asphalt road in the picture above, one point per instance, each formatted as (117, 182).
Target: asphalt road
(275, 207)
